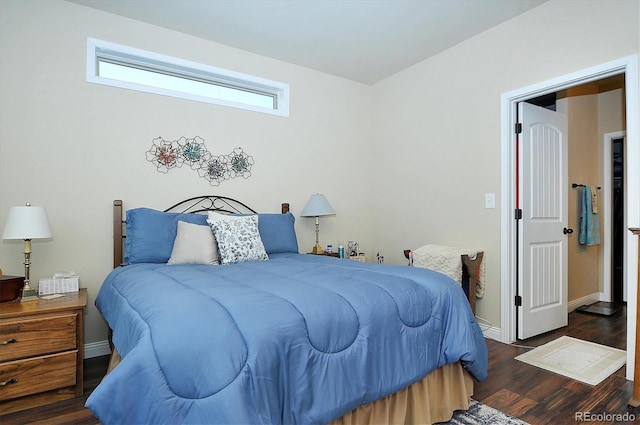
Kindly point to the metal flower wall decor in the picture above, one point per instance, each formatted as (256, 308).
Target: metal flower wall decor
(166, 155)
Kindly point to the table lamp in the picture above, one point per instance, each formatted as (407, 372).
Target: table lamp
(27, 223)
(317, 207)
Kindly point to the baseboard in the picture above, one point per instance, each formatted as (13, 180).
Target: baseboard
(495, 333)
(97, 349)
(491, 333)
(586, 300)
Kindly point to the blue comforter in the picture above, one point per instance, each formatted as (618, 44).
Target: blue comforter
(298, 339)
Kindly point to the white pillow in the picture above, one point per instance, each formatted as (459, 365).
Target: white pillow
(238, 239)
(194, 244)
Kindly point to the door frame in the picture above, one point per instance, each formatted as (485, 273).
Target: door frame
(508, 106)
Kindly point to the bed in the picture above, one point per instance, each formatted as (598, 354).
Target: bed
(271, 336)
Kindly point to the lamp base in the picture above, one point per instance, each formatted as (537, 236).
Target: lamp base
(29, 294)
(317, 250)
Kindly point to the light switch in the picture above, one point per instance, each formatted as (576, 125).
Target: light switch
(489, 200)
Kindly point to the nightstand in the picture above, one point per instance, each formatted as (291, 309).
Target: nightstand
(41, 351)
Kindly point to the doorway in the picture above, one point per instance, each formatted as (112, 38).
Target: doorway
(561, 272)
(509, 269)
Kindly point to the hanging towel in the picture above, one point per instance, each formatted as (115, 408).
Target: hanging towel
(589, 220)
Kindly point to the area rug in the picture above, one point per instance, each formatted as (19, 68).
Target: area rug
(584, 361)
(481, 414)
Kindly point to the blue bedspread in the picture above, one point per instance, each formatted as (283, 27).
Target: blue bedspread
(298, 339)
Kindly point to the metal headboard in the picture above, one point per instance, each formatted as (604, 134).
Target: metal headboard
(194, 205)
(210, 203)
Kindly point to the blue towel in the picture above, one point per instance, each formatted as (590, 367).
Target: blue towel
(589, 220)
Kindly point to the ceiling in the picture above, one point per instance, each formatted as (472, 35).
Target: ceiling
(361, 40)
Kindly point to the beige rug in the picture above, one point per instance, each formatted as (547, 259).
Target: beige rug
(584, 361)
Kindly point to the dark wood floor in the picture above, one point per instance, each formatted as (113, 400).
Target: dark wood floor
(532, 394)
(541, 397)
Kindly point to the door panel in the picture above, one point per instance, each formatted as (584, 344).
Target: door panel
(542, 281)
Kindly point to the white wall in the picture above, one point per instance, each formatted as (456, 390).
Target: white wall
(424, 144)
(438, 124)
(74, 147)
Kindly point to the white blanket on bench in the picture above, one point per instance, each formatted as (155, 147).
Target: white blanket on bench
(446, 260)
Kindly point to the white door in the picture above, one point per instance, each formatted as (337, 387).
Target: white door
(543, 275)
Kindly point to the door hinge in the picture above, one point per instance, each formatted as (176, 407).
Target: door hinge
(518, 301)
(518, 128)
(518, 214)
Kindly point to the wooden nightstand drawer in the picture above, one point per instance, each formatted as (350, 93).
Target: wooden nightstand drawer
(35, 375)
(41, 351)
(38, 335)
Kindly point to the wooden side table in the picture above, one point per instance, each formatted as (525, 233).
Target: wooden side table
(41, 351)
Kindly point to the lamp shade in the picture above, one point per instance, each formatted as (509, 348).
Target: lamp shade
(27, 223)
(317, 206)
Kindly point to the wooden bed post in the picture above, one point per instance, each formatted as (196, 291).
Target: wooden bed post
(117, 233)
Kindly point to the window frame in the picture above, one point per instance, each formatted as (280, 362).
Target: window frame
(108, 52)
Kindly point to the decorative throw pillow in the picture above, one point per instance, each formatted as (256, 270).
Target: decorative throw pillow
(194, 244)
(238, 239)
(151, 234)
(277, 233)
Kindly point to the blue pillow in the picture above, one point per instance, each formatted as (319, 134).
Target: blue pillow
(277, 233)
(151, 233)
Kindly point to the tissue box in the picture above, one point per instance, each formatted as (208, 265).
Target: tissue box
(58, 285)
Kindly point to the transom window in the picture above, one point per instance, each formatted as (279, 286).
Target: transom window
(126, 67)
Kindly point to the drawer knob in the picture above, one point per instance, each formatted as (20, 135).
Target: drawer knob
(9, 341)
(9, 382)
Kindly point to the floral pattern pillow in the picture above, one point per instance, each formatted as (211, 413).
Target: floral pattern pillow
(238, 240)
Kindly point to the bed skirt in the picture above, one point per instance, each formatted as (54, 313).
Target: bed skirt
(431, 400)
